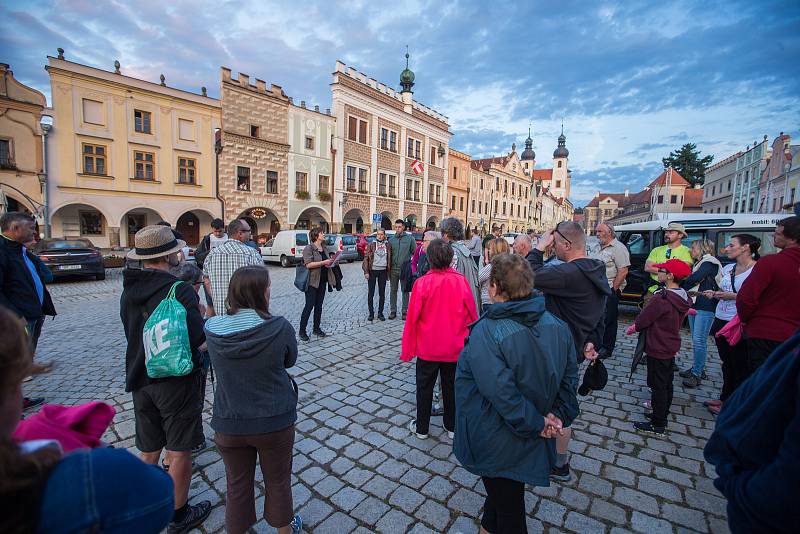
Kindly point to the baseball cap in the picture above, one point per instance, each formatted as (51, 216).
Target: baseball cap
(679, 268)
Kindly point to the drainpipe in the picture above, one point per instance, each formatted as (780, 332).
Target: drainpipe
(45, 130)
(217, 152)
(332, 181)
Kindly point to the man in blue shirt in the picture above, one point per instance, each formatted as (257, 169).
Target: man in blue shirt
(21, 289)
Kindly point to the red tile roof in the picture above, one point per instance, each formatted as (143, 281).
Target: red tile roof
(692, 198)
(677, 179)
(542, 174)
(484, 164)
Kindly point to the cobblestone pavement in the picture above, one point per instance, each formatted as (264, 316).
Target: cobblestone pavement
(356, 467)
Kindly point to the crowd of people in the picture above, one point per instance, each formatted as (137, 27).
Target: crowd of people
(503, 330)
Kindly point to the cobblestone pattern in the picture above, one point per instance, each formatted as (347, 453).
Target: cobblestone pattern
(356, 467)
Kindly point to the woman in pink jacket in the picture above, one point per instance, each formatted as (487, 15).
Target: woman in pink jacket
(441, 308)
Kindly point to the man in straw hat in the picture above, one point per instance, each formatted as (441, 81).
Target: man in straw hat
(673, 248)
(167, 410)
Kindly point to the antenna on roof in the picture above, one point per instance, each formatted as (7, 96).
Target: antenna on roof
(406, 56)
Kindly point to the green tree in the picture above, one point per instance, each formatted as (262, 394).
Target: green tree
(687, 161)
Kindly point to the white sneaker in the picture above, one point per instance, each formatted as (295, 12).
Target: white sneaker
(412, 426)
(450, 434)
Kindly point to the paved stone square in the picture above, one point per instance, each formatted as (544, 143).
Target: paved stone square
(356, 467)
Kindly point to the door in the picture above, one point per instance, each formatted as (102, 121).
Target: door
(136, 221)
(189, 226)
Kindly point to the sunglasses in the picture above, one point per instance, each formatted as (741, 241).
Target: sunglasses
(562, 235)
(669, 253)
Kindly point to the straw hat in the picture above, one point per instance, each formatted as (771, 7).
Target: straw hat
(154, 242)
(678, 227)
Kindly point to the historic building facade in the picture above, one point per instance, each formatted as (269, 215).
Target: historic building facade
(750, 165)
(254, 158)
(718, 185)
(22, 167)
(511, 191)
(390, 154)
(552, 186)
(458, 185)
(310, 166)
(481, 186)
(778, 187)
(125, 153)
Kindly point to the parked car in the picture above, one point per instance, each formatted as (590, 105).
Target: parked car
(67, 257)
(286, 247)
(641, 238)
(344, 243)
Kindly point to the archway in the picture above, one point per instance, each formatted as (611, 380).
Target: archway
(387, 220)
(353, 222)
(263, 223)
(432, 219)
(310, 218)
(133, 221)
(80, 221)
(411, 222)
(194, 225)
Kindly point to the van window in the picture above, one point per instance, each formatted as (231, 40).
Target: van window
(270, 243)
(639, 244)
(694, 235)
(767, 243)
(330, 240)
(301, 240)
(348, 240)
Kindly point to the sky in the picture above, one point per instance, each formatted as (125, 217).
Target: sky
(630, 80)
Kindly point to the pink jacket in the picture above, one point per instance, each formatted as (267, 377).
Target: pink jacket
(441, 308)
(74, 427)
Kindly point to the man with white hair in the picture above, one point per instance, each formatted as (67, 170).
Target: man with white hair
(617, 260)
(522, 245)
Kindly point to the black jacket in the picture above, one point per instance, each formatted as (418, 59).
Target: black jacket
(142, 292)
(17, 289)
(705, 275)
(575, 292)
(255, 394)
(202, 251)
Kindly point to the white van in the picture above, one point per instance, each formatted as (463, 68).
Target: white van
(286, 247)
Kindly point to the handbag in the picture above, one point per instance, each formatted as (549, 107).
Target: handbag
(301, 275)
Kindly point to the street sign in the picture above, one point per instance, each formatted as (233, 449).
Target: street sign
(418, 167)
(376, 217)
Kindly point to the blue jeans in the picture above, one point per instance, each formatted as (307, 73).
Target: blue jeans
(700, 326)
(106, 490)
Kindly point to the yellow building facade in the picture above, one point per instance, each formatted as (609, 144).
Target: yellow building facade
(125, 153)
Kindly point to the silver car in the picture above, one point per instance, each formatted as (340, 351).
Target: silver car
(344, 243)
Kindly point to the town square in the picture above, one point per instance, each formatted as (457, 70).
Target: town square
(430, 267)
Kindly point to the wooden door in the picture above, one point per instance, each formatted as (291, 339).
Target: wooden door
(136, 221)
(189, 227)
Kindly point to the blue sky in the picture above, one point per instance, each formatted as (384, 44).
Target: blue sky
(631, 80)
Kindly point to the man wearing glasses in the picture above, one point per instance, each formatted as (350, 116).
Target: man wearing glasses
(673, 248)
(575, 291)
(223, 261)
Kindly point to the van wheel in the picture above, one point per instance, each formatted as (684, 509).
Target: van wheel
(284, 261)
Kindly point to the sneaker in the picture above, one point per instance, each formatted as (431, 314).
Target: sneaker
(392, 316)
(451, 434)
(412, 426)
(692, 381)
(649, 428)
(686, 373)
(371, 317)
(562, 474)
(648, 405)
(296, 524)
(381, 317)
(319, 333)
(196, 514)
(303, 336)
(28, 378)
(30, 402)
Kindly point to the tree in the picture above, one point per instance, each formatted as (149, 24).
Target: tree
(687, 161)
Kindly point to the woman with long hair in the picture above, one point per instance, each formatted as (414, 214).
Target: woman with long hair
(494, 247)
(255, 402)
(441, 308)
(743, 249)
(706, 276)
(473, 242)
(316, 260)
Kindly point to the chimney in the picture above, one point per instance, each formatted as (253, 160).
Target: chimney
(327, 111)
(316, 108)
(303, 104)
(626, 193)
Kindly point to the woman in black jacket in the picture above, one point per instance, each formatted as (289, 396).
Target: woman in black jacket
(706, 275)
(255, 402)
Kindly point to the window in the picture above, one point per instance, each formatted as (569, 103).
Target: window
(791, 196)
(752, 201)
(774, 205)
(186, 170)
(5, 153)
(729, 186)
(473, 205)
(414, 148)
(255, 131)
(186, 130)
(351, 178)
(416, 189)
(438, 194)
(144, 165)
(453, 203)
(505, 186)
(495, 206)
(323, 183)
(362, 181)
(673, 199)
(481, 183)
(409, 188)
(392, 185)
(272, 182)
(558, 183)
(309, 143)
(91, 222)
(384, 139)
(504, 207)
(243, 178)
(767, 245)
(736, 207)
(559, 164)
(142, 121)
(300, 181)
(660, 199)
(454, 174)
(433, 155)
(92, 111)
(525, 214)
(513, 188)
(94, 159)
(393, 141)
(357, 129)
(497, 182)
(713, 190)
(461, 204)
(638, 244)
(382, 183)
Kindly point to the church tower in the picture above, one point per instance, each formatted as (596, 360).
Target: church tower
(528, 156)
(560, 183)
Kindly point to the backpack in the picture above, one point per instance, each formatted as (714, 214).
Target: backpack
(166, 339)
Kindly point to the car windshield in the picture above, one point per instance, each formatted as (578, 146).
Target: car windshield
(301, 240)
(57, 245)
(330, 240)
(349, 240)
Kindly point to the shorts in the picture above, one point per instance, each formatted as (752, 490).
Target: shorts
(169, 414)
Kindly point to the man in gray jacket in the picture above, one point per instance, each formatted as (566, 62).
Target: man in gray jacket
(453, 232)
(403, 246)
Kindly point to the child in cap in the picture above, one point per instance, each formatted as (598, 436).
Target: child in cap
(662, 318)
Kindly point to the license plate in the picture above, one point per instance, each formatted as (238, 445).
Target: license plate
(69, 267)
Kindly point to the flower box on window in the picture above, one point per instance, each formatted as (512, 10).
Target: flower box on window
(302, 195)
(363, 191)
(324, 196)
